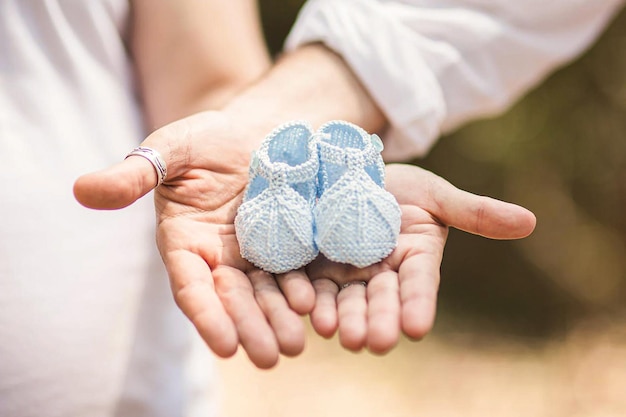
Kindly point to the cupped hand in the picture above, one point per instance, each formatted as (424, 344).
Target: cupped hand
(401, 291)
(229, 301)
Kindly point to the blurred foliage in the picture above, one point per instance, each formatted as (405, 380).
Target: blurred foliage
(278, 17)
(561, 152)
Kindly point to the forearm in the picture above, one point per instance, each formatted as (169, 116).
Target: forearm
(311, 83)
(194, 55)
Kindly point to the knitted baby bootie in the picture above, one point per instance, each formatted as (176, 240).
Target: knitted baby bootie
(274, 224)
(357, 221)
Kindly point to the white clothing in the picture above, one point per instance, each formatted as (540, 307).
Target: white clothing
(87, 322)
(431, 65)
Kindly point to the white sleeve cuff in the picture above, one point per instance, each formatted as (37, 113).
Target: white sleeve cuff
(431, 67)
(393, 72)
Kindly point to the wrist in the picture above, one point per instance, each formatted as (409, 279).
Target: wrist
(311, 83)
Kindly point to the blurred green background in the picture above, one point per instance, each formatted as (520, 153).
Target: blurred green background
(559, 152)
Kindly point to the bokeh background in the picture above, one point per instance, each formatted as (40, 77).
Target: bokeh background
(532, 327)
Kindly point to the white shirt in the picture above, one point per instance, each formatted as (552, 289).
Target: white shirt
(432, 65)
(88, 326)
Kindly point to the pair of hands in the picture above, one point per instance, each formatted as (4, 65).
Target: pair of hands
(230, 302)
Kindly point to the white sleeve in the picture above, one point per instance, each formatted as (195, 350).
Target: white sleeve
(433, 64)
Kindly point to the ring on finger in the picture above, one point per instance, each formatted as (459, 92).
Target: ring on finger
(155, 159)
(347, 284)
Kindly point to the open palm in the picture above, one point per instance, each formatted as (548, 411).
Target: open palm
(401, 291)
(229, 301)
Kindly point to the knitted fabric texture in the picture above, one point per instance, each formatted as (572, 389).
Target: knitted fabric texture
(357, 221)
(274, 224)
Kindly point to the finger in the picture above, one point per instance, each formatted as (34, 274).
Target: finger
(383, 318)
(419, 279)
(123, 183)
(352, 314)
(194, 293)
(298, 290)
(479, 215)
(324, 315)
(287, 325)
(483, 216)
(255, 333)
(116, 187)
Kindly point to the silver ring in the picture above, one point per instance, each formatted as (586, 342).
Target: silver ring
(155, 159)
(347, 284)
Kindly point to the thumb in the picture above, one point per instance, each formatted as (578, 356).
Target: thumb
(125, 182)
(471, 213)
(117, 186)
(122, 184)
(483, 216)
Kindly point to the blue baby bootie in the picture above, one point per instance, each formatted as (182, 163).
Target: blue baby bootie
(274, 224)
(357, 220)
